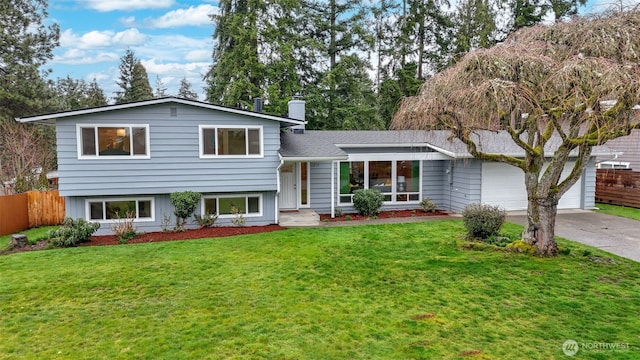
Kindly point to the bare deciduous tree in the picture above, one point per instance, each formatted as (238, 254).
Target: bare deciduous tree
(27, 155)
(558, 91)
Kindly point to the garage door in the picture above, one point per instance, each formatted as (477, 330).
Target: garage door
(503, 185)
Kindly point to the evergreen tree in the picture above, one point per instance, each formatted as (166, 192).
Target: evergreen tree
(185, 90)
(140, 87)
(26, 44)
(475, 27)
(236, 75)
(74, 94)
(133, 80)
(161, 90)
(342, 33)
(94, 95)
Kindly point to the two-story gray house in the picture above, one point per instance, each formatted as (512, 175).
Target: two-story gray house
(131, 157)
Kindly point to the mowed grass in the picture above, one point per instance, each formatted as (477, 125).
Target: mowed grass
(622, 211)
(403, 291)
(32, 235)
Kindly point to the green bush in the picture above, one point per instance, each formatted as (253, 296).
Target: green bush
(427, 205)
(72, 232)
(184, 205)
(368, 201)
(483, 221)
(207, 220)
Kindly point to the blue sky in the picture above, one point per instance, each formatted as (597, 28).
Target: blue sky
(172, 38)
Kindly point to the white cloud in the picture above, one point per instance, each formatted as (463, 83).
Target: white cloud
(111, 5)
(128, 21)
(198, 55)
(78, 57)
(193, 16)
(130, 37)
(102, 39)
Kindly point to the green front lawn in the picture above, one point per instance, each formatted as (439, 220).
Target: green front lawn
(32, 234)
(404, 291)
(622, 211)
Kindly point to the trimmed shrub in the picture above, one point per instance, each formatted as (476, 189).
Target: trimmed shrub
(184, 205)
(483, 221)
(427, 205)
(207, 220)
(237, 219)
(72, 232)
(123, 227)
(368, 201)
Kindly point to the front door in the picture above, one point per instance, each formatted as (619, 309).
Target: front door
(288, 189)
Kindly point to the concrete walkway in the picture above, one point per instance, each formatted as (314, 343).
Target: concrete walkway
(617, 235)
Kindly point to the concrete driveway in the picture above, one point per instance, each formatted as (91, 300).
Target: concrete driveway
(614, 234)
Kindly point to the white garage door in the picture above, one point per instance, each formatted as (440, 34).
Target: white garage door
(503, 185)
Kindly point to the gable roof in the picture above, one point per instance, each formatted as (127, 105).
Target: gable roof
(51, 118)
(330, 145)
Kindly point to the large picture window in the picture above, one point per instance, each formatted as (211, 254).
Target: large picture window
(113, 141)
(247, 205)
(115, 208)
(230, 141)
(398, 181)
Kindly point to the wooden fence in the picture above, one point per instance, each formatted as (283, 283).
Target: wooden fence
(618, 187)
(35, 208)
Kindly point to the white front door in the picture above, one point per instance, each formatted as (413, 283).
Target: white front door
(288, 190)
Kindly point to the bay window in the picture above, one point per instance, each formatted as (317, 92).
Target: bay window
(398, 181)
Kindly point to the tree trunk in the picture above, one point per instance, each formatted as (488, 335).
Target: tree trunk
(541, 223)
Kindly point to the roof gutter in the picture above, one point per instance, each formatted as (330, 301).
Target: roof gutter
(317, 159)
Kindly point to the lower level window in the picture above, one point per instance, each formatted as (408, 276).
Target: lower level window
(112, 209)
(229, 205)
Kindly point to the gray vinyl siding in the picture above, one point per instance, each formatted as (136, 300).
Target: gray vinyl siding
(320, 192)
(175, 164)
(75, 208)
(433, 181)
(466, 186)
(589, 185)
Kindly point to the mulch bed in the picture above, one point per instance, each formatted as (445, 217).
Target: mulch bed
(383, 215)
(211, 232)
(221, 231)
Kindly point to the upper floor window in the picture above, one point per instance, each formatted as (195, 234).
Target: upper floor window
(113, 141)
(217, 141)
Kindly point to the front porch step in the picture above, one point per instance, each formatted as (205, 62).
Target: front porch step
(300, 218)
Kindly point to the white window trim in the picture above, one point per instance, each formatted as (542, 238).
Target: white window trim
(231, 216)
(216, 127)
(87, 208)
(394, 183)
(299, 186)
(79, 128)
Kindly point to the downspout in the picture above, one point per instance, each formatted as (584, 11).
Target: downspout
(278, 187)
(333, 185)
